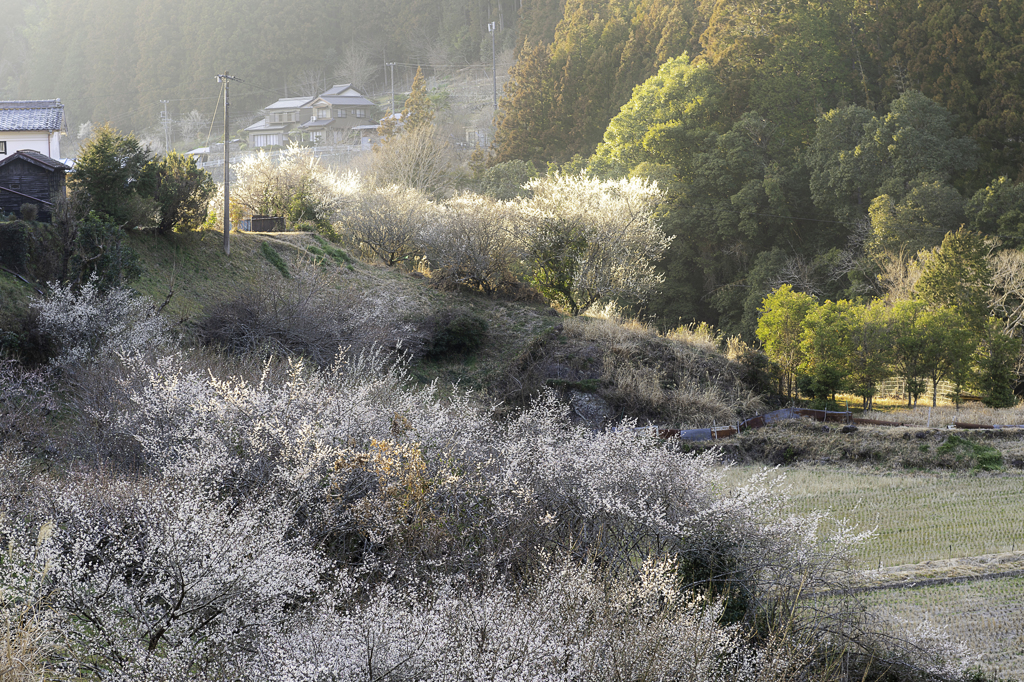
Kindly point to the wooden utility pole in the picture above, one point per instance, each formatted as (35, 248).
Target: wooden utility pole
(226, 79)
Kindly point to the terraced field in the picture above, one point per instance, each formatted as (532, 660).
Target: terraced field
(939, 540)
(986, 615)
(917, 517)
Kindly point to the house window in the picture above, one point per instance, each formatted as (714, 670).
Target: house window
(323, 113)
(360, 113)
(3, 146)
(342, 113)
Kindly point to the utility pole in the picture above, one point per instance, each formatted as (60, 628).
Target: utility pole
(494, 72)
(167, 126)
(226, 79)
(392, 65)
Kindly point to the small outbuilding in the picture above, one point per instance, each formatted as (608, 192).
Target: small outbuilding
(28, 177)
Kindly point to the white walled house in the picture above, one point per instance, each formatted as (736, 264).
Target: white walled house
(31, 125)
(282, 116)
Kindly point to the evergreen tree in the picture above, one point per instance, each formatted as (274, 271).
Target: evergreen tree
(117, 172)
(524, 118)
(958, 275)
(417, 111)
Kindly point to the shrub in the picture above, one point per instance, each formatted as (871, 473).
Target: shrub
(29, 212)
(474, 242)
(182, 192)
(167, 580)
(14, 245)
(78, 244)
(117, 173)
(423, 159)
(299, 187)
(457, 332)
(385, 221)
(506, 181)
(87, 324)
(305, 317)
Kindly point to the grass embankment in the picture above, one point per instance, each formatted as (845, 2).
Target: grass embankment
(288, 266)
(285, 292)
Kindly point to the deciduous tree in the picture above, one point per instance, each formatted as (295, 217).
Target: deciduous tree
(589, 240)
(780, 330)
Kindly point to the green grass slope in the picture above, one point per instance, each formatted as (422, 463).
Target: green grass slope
(605, 368)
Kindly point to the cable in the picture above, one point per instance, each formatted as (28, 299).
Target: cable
(216, 108)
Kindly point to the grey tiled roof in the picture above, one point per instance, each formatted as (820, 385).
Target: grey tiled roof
(45, 114)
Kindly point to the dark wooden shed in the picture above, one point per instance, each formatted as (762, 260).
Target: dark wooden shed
(28, 177)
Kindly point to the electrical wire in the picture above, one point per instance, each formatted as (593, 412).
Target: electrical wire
(216, 108)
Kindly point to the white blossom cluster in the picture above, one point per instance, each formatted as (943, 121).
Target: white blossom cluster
(572, 625)
(87, 322)
(339, 525)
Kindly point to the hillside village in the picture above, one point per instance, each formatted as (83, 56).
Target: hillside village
(557, 339)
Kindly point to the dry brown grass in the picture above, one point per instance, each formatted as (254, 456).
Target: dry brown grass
(944, 415)
(682, 379)
(901, 448)
(24, 647)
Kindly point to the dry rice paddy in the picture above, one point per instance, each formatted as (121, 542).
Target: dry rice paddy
(985, 616)
(931, 517)
(916, 517)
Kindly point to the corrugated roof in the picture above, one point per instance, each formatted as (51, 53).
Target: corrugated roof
(35, 158)
(31, 114)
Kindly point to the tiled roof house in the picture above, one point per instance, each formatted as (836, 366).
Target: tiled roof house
(334, 117)
(33, 125)
(282, 116)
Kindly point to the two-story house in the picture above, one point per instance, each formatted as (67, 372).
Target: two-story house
(283, 116)
(31, 125)
(336, 113)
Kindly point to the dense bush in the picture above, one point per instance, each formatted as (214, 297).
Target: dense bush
(385, 221)
(475, 242)
(14, 245)
(297, 187)
(118, 173)
(182, 192)
(590, 240)
(337, 524)
(303, 316)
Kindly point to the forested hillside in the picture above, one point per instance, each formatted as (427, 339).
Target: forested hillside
(816, 144)
(798, 142)
(115, 60)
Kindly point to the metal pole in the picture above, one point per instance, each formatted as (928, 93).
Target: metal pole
(167, 127)
(494, 72)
